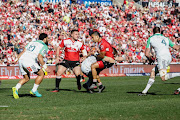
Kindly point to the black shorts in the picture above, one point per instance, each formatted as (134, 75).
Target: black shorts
(69, 64)
(103, 65)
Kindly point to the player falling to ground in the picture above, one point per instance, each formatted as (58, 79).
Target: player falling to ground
(28, 64)
(86, 68)
(105, 50)
(72, 47)
(161, 46)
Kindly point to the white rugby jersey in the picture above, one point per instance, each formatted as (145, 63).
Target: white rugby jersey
(33, 49)
(160, 44)
(86, 64)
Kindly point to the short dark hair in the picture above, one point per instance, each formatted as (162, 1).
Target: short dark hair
(156, 30)
(96, 33)
(75, 30)
(42, 36)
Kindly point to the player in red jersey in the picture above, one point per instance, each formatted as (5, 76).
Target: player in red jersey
(105, 50)
(72, 47)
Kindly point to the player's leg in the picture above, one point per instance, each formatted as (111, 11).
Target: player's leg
(95, 66)
(89, 82)
(101, 86)
(166, 76)
(38, 81)
(26, 77)
(165, 68)
(77, 72)
(82, 77)
(19, 85)
(60, 71)
(150, 81)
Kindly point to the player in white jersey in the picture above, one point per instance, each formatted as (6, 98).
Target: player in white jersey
(86, 68)
(28, 63)
(161, 46)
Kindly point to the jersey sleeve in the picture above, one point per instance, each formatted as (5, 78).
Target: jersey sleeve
(82, 47)
(26, 46)
(148, 43)
(170, 43)
(61, 44)
(43, 50)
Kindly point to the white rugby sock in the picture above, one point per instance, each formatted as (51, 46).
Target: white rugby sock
(18, 86)
(171, 75)
(35, 87)
(149, 84)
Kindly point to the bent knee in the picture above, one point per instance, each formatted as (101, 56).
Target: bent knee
(163, 78)
(152, 76)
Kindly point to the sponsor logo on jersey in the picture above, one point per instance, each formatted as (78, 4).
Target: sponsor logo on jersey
(107, 49)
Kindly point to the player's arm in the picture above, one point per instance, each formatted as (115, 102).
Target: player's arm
(20, 54)
(40, 57)
(148, 51)
(171, 44)
(84, 52)
(60, 47)
(176, 47)
(101, 55)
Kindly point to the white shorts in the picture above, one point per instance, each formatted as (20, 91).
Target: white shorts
(26, 66)
(85, 70)
(163, 63)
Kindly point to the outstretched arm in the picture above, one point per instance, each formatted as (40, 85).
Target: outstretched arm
(176, 47)
(21, 53)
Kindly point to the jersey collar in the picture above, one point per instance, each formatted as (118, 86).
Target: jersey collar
(40, 41)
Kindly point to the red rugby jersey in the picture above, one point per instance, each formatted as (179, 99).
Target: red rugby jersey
(72, 49)
(105, 46)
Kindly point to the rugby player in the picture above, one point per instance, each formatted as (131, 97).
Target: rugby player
(105, 50)
(161, 45)
(72, 47)
(28, 64)
(86, 69)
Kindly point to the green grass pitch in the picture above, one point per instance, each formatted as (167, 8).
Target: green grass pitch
(119, 101)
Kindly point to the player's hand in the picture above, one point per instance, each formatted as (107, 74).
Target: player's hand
(151, 60)
(47, 70)
(14, 62)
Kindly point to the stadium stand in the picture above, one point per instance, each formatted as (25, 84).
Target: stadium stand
(126, 27)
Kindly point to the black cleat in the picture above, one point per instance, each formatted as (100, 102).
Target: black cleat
(87, 89)
(176, 92)
(101, 88)
(142, 94)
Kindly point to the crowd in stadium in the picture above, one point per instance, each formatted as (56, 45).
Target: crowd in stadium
(126, 27)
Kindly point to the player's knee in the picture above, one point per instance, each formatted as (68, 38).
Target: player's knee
(41, 73)
(27, 79)
(59, 72)
(163, 75)
(152, 76)
(78, 73)
(163, 78)
(92, 66)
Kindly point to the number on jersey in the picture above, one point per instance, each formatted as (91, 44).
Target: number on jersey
(163, 42)
(31, 48)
